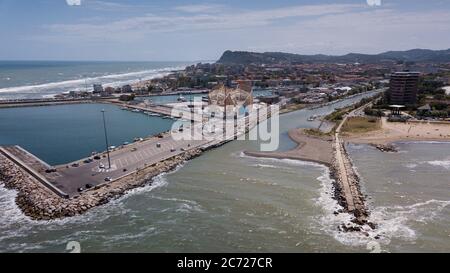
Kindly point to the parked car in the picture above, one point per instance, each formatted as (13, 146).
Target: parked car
(108, 179)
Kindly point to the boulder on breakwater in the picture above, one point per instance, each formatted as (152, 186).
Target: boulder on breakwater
(39, 203)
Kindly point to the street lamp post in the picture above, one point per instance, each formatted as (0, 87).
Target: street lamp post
(106, 139)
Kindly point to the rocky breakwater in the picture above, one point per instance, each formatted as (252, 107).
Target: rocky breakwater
(388, 148)
(347, 192)
(39, 203)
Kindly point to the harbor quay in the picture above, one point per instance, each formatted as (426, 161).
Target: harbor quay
(48, 192)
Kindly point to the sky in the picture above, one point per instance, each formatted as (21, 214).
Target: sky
(179, 30)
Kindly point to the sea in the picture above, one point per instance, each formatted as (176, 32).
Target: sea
(44, 79)
(225, 201)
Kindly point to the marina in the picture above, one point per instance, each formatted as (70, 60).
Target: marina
(188, 194)
(117, 164)
(245, 127)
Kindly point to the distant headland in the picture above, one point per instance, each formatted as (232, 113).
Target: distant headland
(413, 55)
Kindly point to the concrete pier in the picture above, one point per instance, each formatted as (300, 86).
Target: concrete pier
(90, 182)
(164, 110)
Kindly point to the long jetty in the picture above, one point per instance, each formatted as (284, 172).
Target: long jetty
(348, 189)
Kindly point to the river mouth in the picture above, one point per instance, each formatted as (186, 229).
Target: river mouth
(224, 202)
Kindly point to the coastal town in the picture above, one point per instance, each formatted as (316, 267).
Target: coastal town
(400, 96)
(216, 103)
(254, 131)
(295, 84)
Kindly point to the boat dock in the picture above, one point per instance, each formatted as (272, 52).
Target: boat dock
(163, 110)
(72, 179)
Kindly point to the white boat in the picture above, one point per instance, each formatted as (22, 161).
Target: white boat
(181, 98)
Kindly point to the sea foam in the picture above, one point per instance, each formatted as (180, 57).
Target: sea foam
(78, 84)
(440, 163)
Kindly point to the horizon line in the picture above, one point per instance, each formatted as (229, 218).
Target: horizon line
(115, 61)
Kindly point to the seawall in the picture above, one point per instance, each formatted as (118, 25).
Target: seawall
(40, 203)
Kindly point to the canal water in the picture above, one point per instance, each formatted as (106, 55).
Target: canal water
(224, 201)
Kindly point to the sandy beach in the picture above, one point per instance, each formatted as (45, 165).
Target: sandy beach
(310, 148)
(398, 131)
(319, 149)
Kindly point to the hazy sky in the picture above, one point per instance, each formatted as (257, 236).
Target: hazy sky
(202, 30)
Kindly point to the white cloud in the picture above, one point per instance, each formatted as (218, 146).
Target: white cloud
(73, 2)
(106, 6)
(212, 8)
(307, 29)
(151, 23)
(374, 2)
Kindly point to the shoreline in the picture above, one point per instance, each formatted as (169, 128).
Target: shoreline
(412, 131)
(309, 148)
(160, 73)
(315, 149)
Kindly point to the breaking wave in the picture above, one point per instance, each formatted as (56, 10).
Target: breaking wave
(113, 80)
(292, 162)
(392, 221)
(15, 224)
(440, 163)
